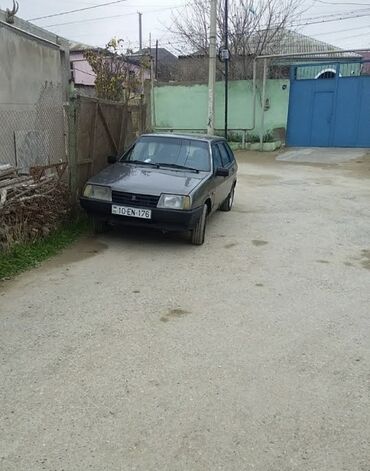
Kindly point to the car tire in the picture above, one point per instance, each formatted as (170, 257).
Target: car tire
(99, 226)
(229, 201)
(198, 233)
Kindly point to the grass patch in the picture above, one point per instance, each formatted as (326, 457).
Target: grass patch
(24, 256)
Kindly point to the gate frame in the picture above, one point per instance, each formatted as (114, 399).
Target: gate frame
(338, 62)
(313, 55)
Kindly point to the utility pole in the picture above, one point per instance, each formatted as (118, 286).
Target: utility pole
(156, 59)
(227, 58)
(212, 68)
(140, 31)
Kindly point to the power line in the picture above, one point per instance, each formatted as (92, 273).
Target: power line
(342, 30)
(89, 20)
(344, 13)
(354, 36)
(329, 20)
(107, 17)
(180, 13)
(77, 10)
(309, 21)
(323, 19)
(340, 3)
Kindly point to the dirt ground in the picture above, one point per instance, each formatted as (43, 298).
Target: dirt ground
(138, 351)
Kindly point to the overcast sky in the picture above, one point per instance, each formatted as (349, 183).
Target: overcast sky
(98, 25)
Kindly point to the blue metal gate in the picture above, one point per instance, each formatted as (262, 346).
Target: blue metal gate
(329, 105)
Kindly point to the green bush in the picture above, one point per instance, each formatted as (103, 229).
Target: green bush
(24, 256)
(254, 138)
(232, 136)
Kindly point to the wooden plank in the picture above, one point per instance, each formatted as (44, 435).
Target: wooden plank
(123, 128)
(17, 181)
(84, 162)
(38, 171)
(6, 175)
(72, 147)
(94, 123)
(88, 99)
(106, 127)
(3, 194)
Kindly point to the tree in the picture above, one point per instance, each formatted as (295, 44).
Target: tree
(255, 27)
(117, 77)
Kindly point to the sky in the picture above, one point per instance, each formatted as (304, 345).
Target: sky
(97, 26)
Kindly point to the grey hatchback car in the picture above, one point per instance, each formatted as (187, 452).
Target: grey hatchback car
(171, 182)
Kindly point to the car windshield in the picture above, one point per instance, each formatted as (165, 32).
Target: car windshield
(179, 152)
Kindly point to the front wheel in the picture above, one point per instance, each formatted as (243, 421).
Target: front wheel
(229, 201)
(98, 226)
(199, 231)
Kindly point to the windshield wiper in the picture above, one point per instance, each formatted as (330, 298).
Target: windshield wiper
(141, 162)
(182, 167)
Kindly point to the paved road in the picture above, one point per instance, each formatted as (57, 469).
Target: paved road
(139, 352)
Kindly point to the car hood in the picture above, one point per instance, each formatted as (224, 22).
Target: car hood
(132, 178)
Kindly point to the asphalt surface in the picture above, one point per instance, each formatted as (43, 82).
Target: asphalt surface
(136, 351)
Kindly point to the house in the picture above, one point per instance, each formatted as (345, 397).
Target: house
(84, 77)
(194, 67)
(164, 62)
(366, 58)
(314, 94)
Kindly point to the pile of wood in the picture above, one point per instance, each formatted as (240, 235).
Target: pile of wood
(30, 206)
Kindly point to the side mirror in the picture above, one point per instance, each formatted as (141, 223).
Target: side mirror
(112, 159)
(222, 172)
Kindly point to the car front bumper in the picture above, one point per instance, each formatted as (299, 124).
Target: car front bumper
(163, 219)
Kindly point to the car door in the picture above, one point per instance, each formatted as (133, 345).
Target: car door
(216, 181)
(228, 162)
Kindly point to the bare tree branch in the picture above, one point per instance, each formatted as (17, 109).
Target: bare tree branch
(117, 78)
(255, 26)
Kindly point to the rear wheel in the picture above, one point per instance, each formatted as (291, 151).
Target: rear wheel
(228, 203)
(198, 233)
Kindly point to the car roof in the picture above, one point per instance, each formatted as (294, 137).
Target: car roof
(195, 137)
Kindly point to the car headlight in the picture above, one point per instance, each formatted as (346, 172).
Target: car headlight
(98, 192)
(174, 202)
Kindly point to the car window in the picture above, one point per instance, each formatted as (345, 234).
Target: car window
(170, 150)
(217, 162)
(230, 152)
(226, 160)
(195, 154)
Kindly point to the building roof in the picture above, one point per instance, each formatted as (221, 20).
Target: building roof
(164, 55)
(292, 42)
(289, 42)
(79, 47)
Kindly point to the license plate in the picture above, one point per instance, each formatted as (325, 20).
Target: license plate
(131, 212)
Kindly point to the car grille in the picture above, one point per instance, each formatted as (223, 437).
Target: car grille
(133, 199)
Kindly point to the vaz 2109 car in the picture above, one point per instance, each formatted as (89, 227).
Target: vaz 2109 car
(171, 182)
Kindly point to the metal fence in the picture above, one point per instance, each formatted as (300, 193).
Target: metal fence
(310, 71)
(34, 134)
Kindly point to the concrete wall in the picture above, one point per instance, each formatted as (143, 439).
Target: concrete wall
(25, 67)
(184, 107)
(34, 67)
